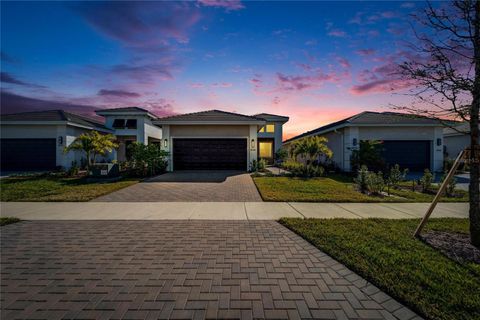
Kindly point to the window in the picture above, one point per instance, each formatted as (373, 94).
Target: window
(119, 123)
(265, 149)
(270, 127)
(131, 123)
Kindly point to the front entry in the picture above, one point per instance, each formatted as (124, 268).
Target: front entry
(209, 154)
(266, 150)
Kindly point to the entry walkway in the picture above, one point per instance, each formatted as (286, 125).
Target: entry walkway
(222, 210)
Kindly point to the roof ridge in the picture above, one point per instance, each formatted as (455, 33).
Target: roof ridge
(210, 110)
(37, 111)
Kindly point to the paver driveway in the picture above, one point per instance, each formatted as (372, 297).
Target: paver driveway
(177, 270)
(199, 186)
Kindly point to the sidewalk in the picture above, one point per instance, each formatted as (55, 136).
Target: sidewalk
(222, 210)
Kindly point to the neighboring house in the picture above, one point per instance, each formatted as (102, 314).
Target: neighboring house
(217, 139)
(36, 140)
(203, 140)
(411, 141)
(456, 140)
(130, 125)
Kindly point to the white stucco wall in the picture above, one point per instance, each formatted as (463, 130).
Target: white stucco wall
(170, 132)
(455, 144)
(145, 128)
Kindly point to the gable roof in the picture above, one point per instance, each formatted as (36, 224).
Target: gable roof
(53, 116)
(370, 118)
(210, 116)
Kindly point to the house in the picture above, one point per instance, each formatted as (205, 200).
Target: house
(130, 125)
(217, 139)
(413, 142)
(211, 139)
(36, 140)
(456, 140)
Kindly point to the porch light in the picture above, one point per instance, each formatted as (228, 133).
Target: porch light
(165, 143)
(355, 142)
(439, 142)
(252, 144)
(60, 140)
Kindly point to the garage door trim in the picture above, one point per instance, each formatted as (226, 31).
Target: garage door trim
(173, 138)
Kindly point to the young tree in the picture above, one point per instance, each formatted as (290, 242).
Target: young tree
(311, 148)
(93, 144)
(445, 69)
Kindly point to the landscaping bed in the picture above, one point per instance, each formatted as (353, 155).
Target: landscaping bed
(51, 187)
(385, 253)
(8, 220)
(338, 188)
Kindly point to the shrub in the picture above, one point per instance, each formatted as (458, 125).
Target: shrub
(74, 169)
(396, 176)
(281, 155)
(298, 169)
(426, 180)
(450, 189)
(375, 182)
(368, 154)
(361, 179)
(146, 160)
(253, 166)
(262, 164)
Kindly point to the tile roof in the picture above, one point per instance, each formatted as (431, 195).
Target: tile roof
(374, 118)
(270, 116)
(51, 116)
(210, 115)
(126, 109)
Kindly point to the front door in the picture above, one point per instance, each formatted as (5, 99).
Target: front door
(266, 150)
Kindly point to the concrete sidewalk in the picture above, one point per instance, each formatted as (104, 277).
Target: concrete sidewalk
(222, 210)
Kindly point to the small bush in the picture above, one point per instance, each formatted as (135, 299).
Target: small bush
(450, 190)
(262, 164)
(395, 177)
(426, 180)
(74, 169)
(298, 169)
(361, 179)
(253, 166)
(8, 220)
(146, 160)
(375, 182)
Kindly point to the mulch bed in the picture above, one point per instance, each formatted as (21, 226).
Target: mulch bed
(456, 246)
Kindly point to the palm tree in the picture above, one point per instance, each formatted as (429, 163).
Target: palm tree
(93, 144)
(311, 148)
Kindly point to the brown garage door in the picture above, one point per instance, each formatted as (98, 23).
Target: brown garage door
(210, 154)
(28, 154)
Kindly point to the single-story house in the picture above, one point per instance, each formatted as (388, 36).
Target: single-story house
(456, 140)
(413, 142)
(36, 140)
(211, 139)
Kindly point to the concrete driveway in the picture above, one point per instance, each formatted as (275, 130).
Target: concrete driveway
(178, 270)
(197, 186)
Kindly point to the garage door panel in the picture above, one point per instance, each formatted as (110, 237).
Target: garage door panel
(28, 154)
(204, 154)
(414, 155)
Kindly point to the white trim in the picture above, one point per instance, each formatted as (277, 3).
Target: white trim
(208, 137)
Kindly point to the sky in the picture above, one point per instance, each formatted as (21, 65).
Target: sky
(316, 62)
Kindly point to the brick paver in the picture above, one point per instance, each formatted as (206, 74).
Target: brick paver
(198, 186)
(177, 270)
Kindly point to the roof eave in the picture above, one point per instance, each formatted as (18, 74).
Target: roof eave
(125, 113)
(184, 122)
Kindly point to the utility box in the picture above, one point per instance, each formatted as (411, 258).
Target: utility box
(104, 170)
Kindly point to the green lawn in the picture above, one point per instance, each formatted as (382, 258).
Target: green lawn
(45, 188)
(334, 188)
(8, 220)
(384, 252)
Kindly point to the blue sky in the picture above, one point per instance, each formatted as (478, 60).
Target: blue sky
(316, 62)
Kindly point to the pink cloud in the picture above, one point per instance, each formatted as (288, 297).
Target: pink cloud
(366, 52)
(302, 82)
(222, 85)
(344, 62)
(337, 33)
(196, 85)
(229, 5)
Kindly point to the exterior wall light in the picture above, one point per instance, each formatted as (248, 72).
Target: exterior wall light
(252, 144)
(439, 142)
(165, 143)
(354, 142)
(60, 140)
